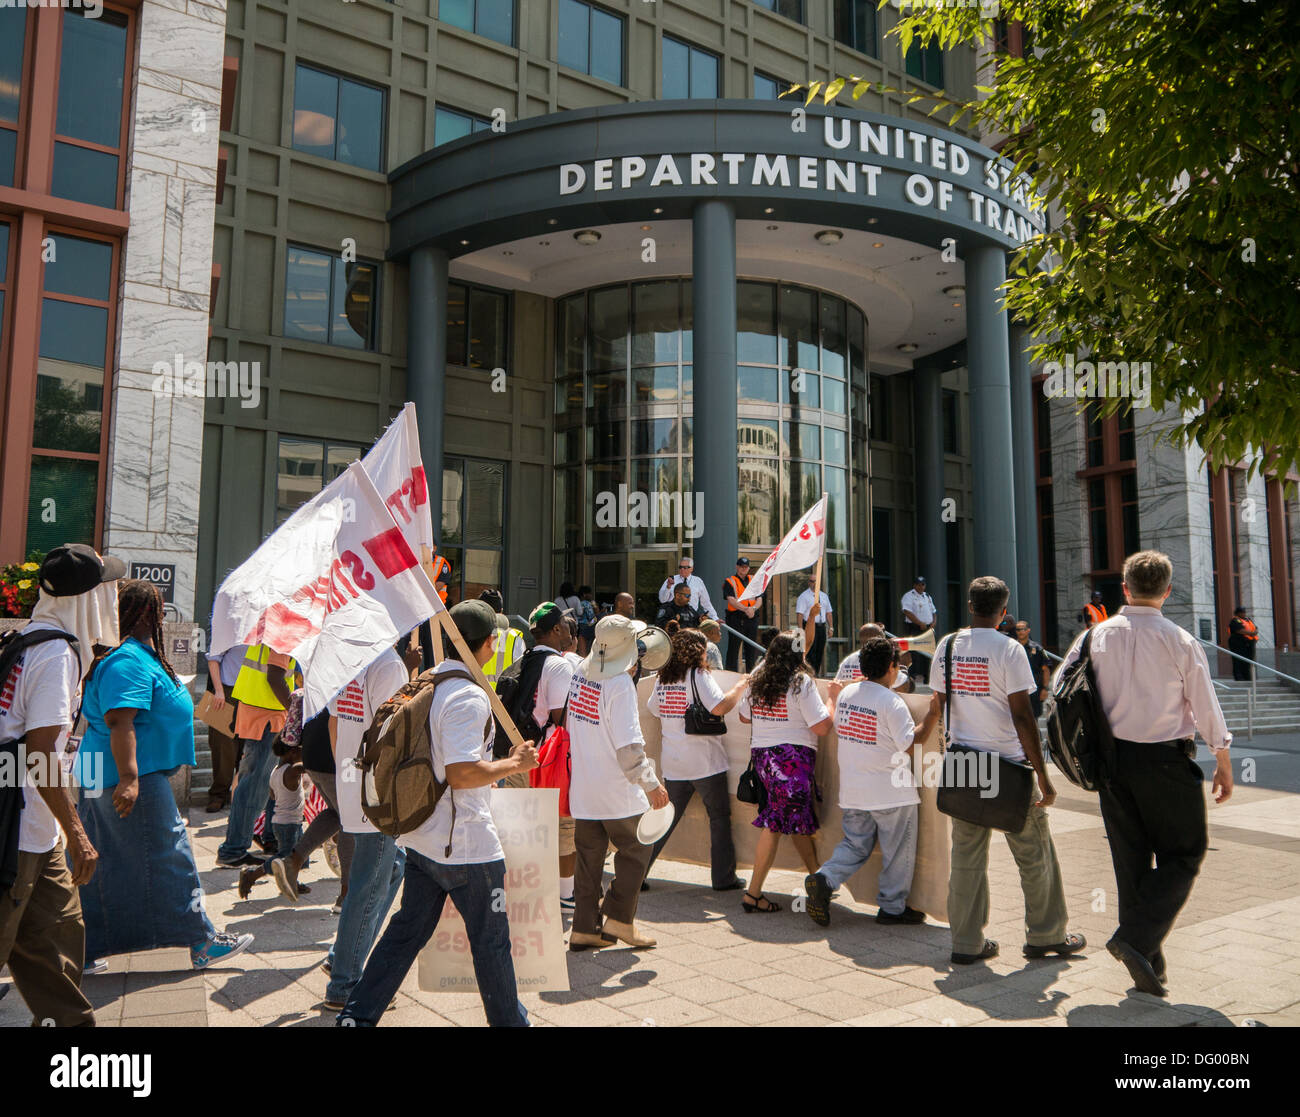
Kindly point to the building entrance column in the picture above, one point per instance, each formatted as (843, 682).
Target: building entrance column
(713, 410)
(426, 362)
(989, 363)
(1025, 465)
(931, 530)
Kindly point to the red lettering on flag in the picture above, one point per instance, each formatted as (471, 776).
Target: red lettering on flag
(281, 628)
(391, 552)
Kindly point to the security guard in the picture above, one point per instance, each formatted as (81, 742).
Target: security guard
(508, 643)
(441, 574)
(1243, 637)
(262, 690)
(741, 615)
(1094, 612)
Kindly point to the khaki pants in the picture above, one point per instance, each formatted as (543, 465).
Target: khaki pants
(631, 859)
(1040, 880)
(43, 940)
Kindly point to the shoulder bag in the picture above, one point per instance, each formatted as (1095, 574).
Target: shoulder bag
(700, 721)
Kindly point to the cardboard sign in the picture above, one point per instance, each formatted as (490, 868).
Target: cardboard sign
(528, 822)
(222, 720)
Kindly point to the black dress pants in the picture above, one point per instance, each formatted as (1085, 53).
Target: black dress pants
(1154, 811)
(717, 802)
(749, 626)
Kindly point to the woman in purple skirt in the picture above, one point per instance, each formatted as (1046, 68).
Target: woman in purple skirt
(788, 716)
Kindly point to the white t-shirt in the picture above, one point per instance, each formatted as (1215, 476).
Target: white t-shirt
(553, 686)
(788, 722)
(805, 603)
(288, 801)
(602, 719)
(576, 660)
(874, 729)
(355, 707)
(457, 718)
(685, 756)
(986, 667)
(920, 605)
(41, 691)
(851, 671)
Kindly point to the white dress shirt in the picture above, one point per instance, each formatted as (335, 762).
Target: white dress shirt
(699, 594)
(920, 605)
(1153, 679)
(804, 605)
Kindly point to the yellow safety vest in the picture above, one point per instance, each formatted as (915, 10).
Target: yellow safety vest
(251, 686)
(506, 648)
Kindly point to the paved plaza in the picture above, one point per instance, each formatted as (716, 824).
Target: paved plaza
(1234, 956)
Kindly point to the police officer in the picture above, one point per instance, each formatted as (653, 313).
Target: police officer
(1094, 612)
(1243, 637)
(741, 615)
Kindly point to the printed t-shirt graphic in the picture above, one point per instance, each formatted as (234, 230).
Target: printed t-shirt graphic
(850, 671)
(355, 708)
(874, 730)
(602, 720)
(986, 667)
(686, 756)
(787, 721)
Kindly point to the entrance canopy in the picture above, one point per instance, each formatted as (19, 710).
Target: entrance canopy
(613, 164)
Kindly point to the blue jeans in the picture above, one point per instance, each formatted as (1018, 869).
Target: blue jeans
(895, 829)
(373, 880)
(428, 884)
(287, 835)
(249, 798)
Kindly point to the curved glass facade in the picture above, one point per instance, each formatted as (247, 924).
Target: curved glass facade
(623, 417)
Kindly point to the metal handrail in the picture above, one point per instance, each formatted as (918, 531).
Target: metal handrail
(748, 640)
(1247, 659)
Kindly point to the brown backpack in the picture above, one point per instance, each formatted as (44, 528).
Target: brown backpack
(399, 790)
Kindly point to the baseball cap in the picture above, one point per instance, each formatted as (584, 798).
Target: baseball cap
(74, 568)
(742, 561)
(545, 617)
(919, 578)
(477, 620)
(493, 598)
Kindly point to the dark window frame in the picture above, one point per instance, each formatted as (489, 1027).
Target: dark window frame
(1106, 432)
(507, 338)
(850, 11)
(474, 30)
(473, 117)
(950, 406)
(622, 42)
(283, 512)
(925, 64)
(372, 342)
(692, 48)
(455, 552)
(774, 6)
(779, 83)
(340, 77)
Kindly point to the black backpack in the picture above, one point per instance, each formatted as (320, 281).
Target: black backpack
(1079, 738)
(12, 645)
(517, 689)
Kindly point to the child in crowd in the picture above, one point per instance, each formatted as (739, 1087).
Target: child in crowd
(287, 793)
(878, 796)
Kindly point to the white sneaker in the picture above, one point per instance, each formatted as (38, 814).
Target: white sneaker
(94, 966)
(568, 903)
(337, 909)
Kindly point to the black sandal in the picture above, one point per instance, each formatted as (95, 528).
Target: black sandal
(756, 906)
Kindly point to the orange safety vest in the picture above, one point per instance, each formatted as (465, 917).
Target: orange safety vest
(1249, 631)
(441, 567)
(737, 588)
(1095, 613)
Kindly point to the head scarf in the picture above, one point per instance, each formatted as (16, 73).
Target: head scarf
(91, 617)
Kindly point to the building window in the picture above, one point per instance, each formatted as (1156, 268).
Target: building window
(69, 425)
(477, 327)
(768, 88)
(1051, 634)
(453, 124)
(493, 19)
(1109, 473)
(925, 63)
(90, 119)
(338, 118)
(882, 566)
(791, 9)
(328, 300)
(878, 411)
(951, 422)
(955, 583)
(4, 280)
(855, 25)
(473, 526)
(591, 40)
(688, 71)
(307, 465)
(13, 38)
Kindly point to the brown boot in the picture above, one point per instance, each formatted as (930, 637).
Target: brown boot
(627, 932)
(580, 940)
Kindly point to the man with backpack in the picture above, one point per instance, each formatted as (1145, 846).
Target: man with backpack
(456, 851)
(42, 935)
(1154, 687)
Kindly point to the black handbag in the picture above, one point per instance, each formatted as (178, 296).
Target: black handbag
(700, 722)
(970, 787)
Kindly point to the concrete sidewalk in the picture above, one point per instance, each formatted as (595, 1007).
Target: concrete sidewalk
(1234, 955)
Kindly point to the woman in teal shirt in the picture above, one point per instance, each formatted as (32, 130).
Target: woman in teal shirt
(139, 730)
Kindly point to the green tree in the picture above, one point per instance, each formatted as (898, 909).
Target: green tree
(1167, 134)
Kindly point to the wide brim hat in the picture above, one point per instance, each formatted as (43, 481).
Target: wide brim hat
(613, 648)
(654, 824)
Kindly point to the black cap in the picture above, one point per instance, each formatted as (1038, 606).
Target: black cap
(1096, 593)
(742, 561)
(919, 578)
(477, 620)
(74, 568)
(493, 598)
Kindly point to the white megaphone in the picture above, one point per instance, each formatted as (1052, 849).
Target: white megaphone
(653, 647)
(923, 643)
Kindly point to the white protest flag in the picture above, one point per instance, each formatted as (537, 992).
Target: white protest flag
(395, 466)
(334, 586)
(801, 547)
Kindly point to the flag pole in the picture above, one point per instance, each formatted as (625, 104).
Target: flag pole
(810, 626)
(435, 639)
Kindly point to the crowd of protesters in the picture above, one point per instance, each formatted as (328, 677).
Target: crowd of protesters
(124, 877)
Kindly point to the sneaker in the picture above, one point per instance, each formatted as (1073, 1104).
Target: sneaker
(332, 857)
(217, 948)
(332, 1006)
(907, 915)
(247, 878)
(337, 909)
(303, 889)
(284, 880)
(327, 966)
(267, 843)
(94, 966)
(238, 862)
(568, 903)
(989, 950)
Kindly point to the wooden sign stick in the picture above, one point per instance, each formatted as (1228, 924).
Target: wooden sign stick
(426, 560)
(441, 622)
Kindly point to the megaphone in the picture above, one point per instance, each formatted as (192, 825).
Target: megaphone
(923, 643)
(653, 647)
